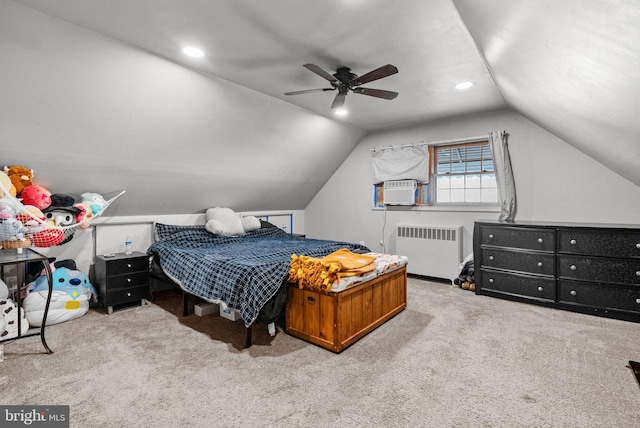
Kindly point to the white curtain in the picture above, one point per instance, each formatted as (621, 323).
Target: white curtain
(409, 162)
(504, 175)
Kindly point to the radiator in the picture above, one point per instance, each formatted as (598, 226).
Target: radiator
(434, 251)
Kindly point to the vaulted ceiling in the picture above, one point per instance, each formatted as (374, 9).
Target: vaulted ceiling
(570, 66)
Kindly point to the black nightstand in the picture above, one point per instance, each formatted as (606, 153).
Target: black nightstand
(122, 279)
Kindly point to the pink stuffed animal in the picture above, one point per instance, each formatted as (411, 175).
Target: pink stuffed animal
(37, 196)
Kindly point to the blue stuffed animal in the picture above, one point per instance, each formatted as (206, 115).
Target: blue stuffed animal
(72, 291)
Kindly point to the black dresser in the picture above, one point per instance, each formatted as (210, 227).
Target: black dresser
(589, 268)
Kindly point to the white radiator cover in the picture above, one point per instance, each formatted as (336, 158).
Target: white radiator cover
(434, 251)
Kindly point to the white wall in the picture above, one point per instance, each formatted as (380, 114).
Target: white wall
(108, 234)
(554, 182)
(91, 114)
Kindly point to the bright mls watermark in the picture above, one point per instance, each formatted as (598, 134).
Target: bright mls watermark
(34, 416)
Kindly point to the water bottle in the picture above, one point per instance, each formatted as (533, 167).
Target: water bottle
(128, 244)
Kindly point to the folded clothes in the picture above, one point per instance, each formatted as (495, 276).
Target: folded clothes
(340, 269)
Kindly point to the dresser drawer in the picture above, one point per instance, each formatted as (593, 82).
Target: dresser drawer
(613, 297)
(127, 281)
(599, 269)
(127, 265)
(536, 287)
(126, 295)
(528, 262)
(599, 242)
(518, 237)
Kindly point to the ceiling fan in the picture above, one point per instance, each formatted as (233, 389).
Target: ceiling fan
(344, 81)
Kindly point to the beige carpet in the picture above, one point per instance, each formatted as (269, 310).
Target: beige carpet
(451, 359)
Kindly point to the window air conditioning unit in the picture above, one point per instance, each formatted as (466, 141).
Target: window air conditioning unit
(400, 192)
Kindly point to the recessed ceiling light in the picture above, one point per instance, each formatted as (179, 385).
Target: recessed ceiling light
(193, 52)
(464, 85)
(341, 112)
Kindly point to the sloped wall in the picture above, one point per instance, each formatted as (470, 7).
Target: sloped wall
(554, 182)
(89, 113)
(570, 67)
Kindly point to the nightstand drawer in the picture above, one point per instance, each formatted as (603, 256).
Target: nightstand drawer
(117, 297)
(127, 281)
(127, 265)
(527, 262)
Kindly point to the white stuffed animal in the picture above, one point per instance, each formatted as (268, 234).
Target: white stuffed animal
(9, 313)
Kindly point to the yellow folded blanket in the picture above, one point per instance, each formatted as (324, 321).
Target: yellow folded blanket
(321, 273)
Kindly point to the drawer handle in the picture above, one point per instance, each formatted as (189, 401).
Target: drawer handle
(638, 245)
(638, 273)
(573, 242)
(311, 300)
(540, 240)
(540, 289)
(491, 257)
(491, 236)
(573, 292)
(128, 279)
(573, 267)
(539, 264)
(128, 294)
(129, 265)
(490, 280)
(638, 301)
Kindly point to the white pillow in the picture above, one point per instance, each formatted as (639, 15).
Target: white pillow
(224, 221)
(250, 223)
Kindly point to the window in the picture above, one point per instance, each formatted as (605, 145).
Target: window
(459, 174)
(464, 173)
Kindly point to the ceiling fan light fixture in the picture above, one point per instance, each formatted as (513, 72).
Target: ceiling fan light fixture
(464, 85)
(193, 52)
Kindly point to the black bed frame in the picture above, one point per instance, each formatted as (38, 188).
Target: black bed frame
(167, 283)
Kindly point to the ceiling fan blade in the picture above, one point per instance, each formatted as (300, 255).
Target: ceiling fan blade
(320, 72)
(378, 73)
(338, 101)
(378, 93)
(308, 91)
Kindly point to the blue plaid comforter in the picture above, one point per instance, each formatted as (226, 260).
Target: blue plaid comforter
(244, 272)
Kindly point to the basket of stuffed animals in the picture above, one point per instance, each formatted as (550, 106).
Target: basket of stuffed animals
(31, 215)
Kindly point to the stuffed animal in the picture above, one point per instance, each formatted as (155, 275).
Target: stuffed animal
(62, 200)
(95, 201)
(20, 176)
(9, 311)
(72, 291)
(11, 229)
(4, 290)
(83, 216)
(61, 216)
(47, 238)
(6, 186)
(27, 214)
(7, 209)
(37, 196)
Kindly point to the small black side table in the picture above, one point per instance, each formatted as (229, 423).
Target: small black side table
(21, 258)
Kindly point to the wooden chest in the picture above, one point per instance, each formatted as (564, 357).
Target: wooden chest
(335, 321)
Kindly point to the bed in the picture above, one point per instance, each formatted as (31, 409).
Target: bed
(246, 273)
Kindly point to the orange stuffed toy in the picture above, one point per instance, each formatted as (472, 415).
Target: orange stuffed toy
(20, 176)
